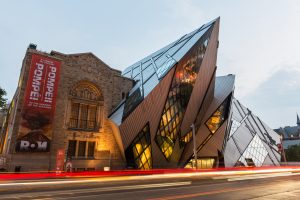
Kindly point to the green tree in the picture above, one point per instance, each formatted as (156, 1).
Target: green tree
(293, 153)
(2, 99)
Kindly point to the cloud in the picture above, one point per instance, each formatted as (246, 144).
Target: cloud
(276, 100)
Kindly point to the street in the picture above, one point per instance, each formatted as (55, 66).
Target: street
(227, 185)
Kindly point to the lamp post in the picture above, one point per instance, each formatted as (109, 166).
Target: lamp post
(194, 142)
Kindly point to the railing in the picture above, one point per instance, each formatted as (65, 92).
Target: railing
(82, 124)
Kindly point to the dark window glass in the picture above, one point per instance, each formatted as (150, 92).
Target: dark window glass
(132, 102)
(92, 117)
(72, 148)
(74, 115)
(219, 116)
(83, 116)
(91, 149)
(186, 139)
(179, 96)
(81, 148)
(138, 154)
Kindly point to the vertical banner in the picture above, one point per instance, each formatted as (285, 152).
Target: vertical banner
(35, 130)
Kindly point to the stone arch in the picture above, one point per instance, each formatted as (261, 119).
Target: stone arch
(86, 90)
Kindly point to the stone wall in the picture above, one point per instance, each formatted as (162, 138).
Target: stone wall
(74, 68)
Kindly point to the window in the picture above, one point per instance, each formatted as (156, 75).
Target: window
(219, 116)
(138, 154)
(86, 107)
(91, 149)
(186, 139)
(178, 98)
(72, 148)
(202, 163)
(83, 116)
(81, 149)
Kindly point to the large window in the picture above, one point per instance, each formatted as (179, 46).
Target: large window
(83, 116)
(178, 98)
(202, 163)
(219, 116)
(138, 154)
(81, 149)
(86, 107)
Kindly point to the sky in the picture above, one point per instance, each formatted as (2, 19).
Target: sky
(259, 41)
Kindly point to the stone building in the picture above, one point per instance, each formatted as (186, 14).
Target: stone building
(83, 94)
(75, 108)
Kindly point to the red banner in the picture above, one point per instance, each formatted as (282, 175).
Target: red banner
(39, 104)
(42, 84)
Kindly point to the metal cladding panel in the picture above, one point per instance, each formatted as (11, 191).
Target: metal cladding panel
(253, 125)
(148, 110)
(268, 161)
(206, 102)
(203, 80)
(242, 137)
(236, 114)
(224, 86)
(215, 143)
(271, 132)
(231, 154)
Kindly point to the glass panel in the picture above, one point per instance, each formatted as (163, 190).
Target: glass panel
(74, 115)
(138, 154)
(255, 153)
(219, 116)
(72, 148)
(186, 139)
(149, 71)
(92, 117)
(234, 126)
(81, 148)
(91, 149)
(83, 116)
(132, 102)
(202, 163)
(150, 84)
(136, 71)
(178, 97)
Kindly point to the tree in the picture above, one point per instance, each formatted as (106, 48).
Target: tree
(293, 153)
(2, 99)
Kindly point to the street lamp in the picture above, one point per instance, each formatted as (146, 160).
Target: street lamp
(194, 142)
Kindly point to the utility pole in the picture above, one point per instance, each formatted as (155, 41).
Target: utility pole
(194, 142)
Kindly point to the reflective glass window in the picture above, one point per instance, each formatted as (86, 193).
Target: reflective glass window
(138, 154)
(255, 152)
(219, 116)
(178, 97)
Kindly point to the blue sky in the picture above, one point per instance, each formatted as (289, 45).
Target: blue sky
(259, 40)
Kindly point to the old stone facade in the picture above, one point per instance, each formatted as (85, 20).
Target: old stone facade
(88, 91)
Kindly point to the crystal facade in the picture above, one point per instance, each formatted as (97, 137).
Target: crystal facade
(139, 152)
(179, 95)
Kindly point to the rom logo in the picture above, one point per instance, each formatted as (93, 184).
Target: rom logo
(33, 146)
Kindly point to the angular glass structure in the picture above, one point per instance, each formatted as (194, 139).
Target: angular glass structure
(176, 87)
(139, 152)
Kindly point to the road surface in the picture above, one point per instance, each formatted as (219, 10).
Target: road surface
(258, 186)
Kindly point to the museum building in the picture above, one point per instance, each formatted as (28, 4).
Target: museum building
(74, 108)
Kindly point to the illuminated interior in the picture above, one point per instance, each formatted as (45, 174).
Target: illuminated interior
(219, 116)
(139, 154)
(202, 163)
(178, 98)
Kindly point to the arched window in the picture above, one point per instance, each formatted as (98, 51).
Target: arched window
(85, 107)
